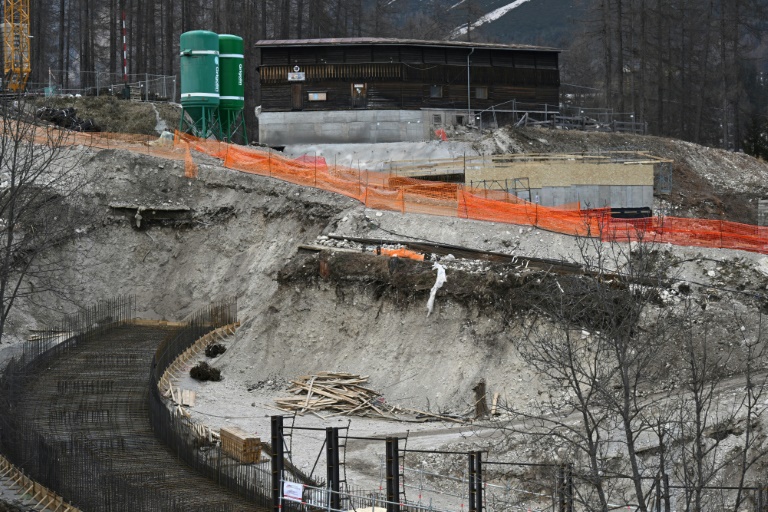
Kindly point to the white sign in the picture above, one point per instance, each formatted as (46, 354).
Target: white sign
(296, 77)
(293, 491)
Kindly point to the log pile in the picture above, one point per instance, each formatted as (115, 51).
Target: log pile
(340, 393)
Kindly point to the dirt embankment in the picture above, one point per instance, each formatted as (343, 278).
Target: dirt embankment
(112, 114)
(239, 235)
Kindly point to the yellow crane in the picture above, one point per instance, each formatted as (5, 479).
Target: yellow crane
(16, 44)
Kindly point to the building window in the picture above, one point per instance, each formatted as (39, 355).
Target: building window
(317, 96)
(437, 119)
(481, 93)
(436, 91)
(460, 120)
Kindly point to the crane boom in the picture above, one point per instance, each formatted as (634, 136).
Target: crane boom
(16, 44)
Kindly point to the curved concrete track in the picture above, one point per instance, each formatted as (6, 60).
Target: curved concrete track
(97, 395)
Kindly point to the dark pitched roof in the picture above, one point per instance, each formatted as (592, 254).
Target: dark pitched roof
(352, 41)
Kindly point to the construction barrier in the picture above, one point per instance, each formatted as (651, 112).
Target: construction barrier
(385, 191)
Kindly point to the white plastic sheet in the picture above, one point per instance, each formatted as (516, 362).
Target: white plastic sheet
(438, 284)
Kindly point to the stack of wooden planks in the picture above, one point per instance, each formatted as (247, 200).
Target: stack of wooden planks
(239, 445)
(341, 393)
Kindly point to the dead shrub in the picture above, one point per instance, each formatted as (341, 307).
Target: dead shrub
(215, 349)
(205, 372)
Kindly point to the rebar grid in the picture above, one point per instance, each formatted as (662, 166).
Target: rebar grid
(79, 418)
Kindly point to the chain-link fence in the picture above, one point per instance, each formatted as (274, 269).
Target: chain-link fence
(145, 86)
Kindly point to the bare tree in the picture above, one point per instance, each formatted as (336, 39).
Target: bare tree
(38, 206)
(604, 342)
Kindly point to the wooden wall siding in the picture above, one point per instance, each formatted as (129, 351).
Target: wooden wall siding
(399, 77)
(480, 58)
(275, 56)
(547, 61)
(398, 95)
(276, 98)
(411, 55)
(503, 59)
(291, 56)
(432, 75)
(386, 54)
(347, 73)
(401, 95)
(434, 56)
(358, 55)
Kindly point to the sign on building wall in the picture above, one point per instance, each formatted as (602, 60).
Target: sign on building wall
(297, 75)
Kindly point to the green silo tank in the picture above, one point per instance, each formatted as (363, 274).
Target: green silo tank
(199, 69)
(232, 72)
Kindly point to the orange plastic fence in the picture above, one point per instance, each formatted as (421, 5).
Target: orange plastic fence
(383, 191)
(402, 253)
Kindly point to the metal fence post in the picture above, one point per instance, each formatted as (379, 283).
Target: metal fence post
(332, 462)
(479, 481)
(277, 461)
(471, 480)
(393, 475)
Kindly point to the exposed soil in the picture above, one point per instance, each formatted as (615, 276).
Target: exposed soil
(304, 311)
(112, 114)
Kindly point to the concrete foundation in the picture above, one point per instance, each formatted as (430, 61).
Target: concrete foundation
(594, 196)
(558, 182)
(762, 212)
(354, 126)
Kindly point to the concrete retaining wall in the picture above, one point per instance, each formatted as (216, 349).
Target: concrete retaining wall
(349, 126)
(762, 212)
(615, 185)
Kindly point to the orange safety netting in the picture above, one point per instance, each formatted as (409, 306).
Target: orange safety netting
(384, 191)
(402, 253)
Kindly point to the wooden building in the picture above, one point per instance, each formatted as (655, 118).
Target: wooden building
(431, 83)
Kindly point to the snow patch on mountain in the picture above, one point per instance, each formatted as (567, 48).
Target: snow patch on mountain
(491, 16)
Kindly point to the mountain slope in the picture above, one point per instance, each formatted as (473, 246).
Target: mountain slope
(540, 22)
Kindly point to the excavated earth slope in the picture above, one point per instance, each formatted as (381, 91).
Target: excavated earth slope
(236, 234)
